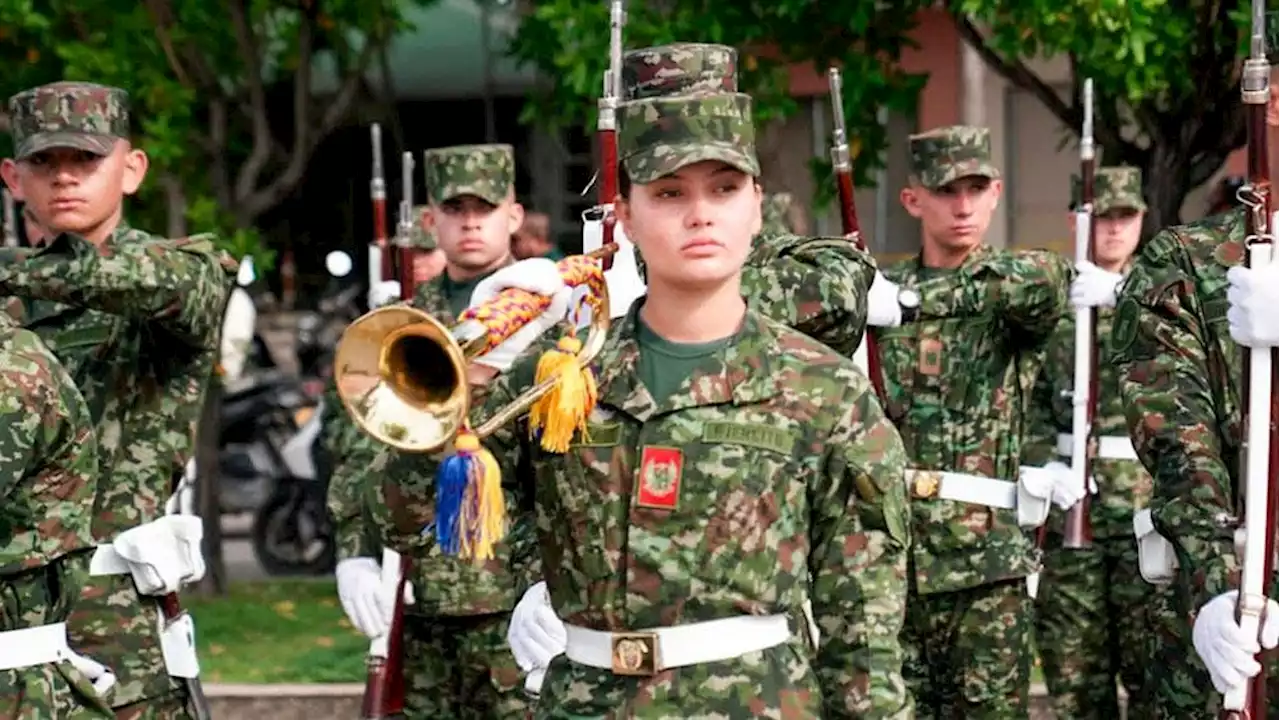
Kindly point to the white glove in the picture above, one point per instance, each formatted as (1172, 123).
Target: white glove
(883, 308)
(535, 634)
(360, 591)
(99, 675)
(1253, 316)
(535, 275)
(1065, 489)
(384, 292)
(164, 554)
(1223, 646)
(1094, 287)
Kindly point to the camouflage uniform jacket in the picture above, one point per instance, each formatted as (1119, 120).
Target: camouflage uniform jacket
(958, 383)
(47, 469)
(442, 585)
(816, 285)
(1124, 486)
(788, 486)
(135, 322)
(1180, 379)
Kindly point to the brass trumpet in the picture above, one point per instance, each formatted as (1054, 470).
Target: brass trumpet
(401, 374)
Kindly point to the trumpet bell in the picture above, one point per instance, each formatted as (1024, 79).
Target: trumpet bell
(402, 377)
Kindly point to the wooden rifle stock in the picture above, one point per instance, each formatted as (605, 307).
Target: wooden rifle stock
(607, 130)
(384, 686)
(1259, 471)
(406, 228)
(1077, 531)
(381, 265)
(843, 168)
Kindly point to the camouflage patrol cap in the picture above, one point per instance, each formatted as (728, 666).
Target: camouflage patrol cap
(658, 136)
(947, 154)
(1114, 188)
(679, 69)
(486, 171)
(79, 115)
(775, 210)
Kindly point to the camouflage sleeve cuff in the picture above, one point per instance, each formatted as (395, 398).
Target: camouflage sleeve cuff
(1028, 290)
(1203, 539)
(817, 286)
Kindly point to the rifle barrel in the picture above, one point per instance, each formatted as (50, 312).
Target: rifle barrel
(1077, 531)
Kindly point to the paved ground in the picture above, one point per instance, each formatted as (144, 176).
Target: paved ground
(237, 551)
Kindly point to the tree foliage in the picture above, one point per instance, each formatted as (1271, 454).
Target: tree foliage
(223, 94)
(568, 42)
(1166, 79)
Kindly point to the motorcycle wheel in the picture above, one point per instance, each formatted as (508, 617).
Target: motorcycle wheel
(292, 532)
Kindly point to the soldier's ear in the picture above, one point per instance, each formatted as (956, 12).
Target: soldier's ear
(135, 169)
(515, 217)
(9, 171)
(910, 200)
(622, 209)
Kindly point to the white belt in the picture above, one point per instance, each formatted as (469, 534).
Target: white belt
(33, 646)
(106, 561)
(1110, 447)
(647, 652)
(974, 489)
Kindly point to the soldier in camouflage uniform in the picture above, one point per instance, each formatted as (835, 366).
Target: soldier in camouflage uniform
(457, 663)
(814, 285)
(713, 492)
(961, 330)
(48, 456)
(1091, 620)
(134, 319)
(1187, 314)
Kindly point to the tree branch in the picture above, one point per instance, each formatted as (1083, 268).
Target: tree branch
(247, 178)
(188, 64)
(1204, 167)
(1017, 73)
(339, 108)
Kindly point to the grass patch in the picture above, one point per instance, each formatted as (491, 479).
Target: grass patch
(279, 631)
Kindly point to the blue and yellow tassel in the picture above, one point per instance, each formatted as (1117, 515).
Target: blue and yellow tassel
(471, 513)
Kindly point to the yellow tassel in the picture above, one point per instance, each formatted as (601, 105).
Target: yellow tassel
(488, 525)
(564, 410)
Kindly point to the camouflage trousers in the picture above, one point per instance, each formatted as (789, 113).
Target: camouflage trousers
(119, 628)
(1177, 685)
(968, 653)
(461, 668)
(1091, 627)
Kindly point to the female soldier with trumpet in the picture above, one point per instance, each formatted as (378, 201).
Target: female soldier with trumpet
(730, 470)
